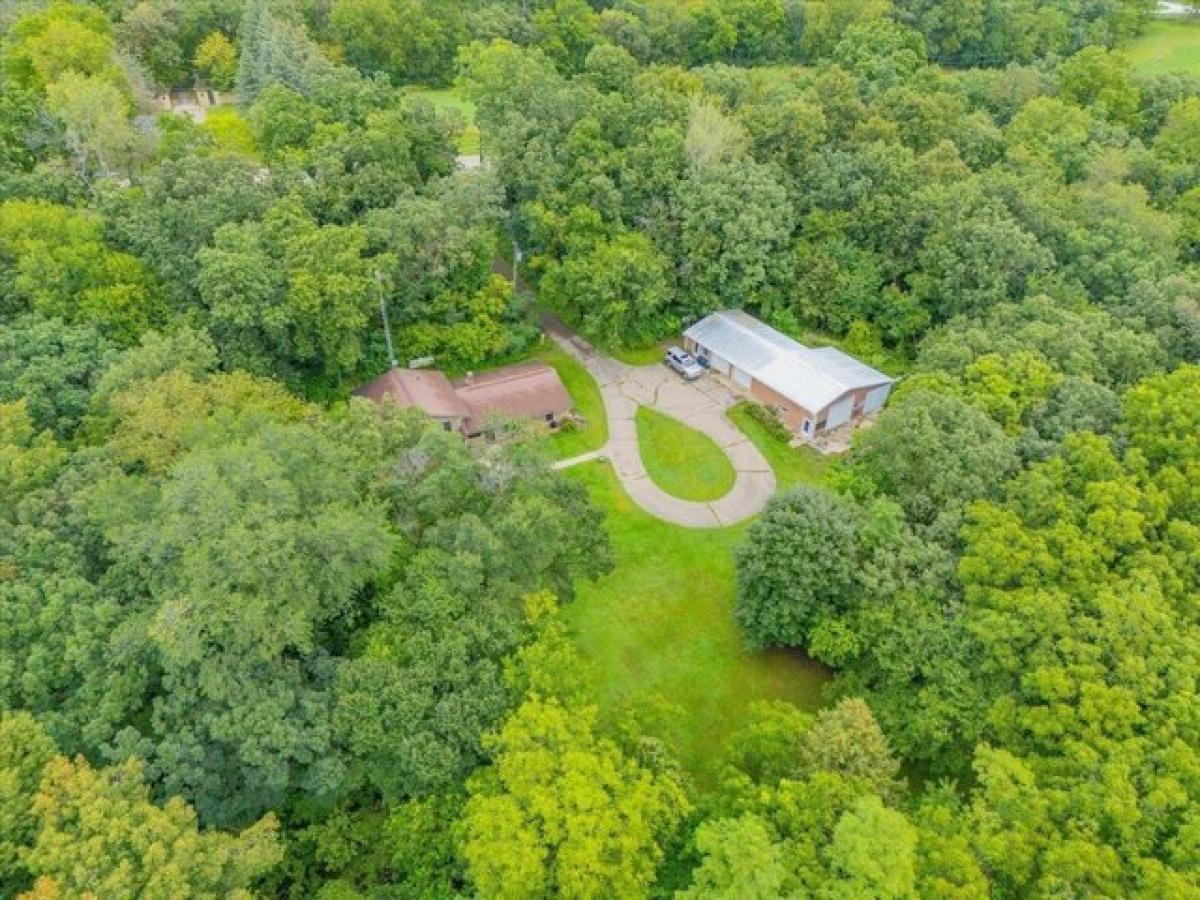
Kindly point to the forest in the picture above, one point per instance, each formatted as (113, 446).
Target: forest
(262, 638)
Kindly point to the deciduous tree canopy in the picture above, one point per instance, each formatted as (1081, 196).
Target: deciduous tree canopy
(260, 639)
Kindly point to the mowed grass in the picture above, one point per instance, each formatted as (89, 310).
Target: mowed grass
(1167, 46)
(638, 356)
(792, 465)
(451, 99)
(585, 395)
(660, 632)
(680, 460)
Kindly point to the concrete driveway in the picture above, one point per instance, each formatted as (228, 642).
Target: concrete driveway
(699, 404)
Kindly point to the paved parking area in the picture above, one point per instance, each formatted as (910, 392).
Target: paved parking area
(701, 405)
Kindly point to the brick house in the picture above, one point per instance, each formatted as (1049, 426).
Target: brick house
(814, 389)
(531, 391)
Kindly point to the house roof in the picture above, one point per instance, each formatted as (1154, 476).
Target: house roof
(810, 377)
(529, 390)
(426, 389)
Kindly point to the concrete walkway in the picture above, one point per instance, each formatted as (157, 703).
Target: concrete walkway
(573, 461)
(699, 404)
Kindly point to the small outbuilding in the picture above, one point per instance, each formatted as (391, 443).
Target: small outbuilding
(531, 391)
(814, 389)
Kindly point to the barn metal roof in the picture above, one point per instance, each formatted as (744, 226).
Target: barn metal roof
(810, 377)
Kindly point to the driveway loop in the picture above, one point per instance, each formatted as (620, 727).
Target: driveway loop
(699, 404)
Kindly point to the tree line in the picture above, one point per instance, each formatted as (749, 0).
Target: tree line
(258, 640)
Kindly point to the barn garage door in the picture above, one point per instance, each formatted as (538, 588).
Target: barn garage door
(740, 378)
(876, 397)
(718, 364)
(839, 412)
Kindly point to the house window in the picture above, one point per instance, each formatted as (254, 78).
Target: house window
(447, 425)
(549, 417)
(807, 427)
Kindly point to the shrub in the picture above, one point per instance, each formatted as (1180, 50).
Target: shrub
(768, 418)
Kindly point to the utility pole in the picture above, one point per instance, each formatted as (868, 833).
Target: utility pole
(387, 328)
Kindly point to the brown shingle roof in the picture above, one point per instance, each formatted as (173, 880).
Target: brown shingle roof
(426, 389)
(529, 390)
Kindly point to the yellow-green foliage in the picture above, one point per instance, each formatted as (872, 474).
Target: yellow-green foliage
(231, 132)
(54, 261)
(216, 60)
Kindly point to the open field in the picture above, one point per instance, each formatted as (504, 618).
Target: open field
(680, 460)
(448, 98)
(661, 632)
(1167, 46)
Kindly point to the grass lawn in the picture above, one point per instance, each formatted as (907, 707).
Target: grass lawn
(588, 403)
(1167, 46)
(680, 460)
(639, 356)
(792, 465)
(448, 98)
(661, 633)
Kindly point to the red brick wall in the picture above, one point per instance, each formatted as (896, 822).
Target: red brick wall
(792, 414)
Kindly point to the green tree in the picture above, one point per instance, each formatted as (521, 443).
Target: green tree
(935, 454)
(825, 21)
(735, 226)
(43, 46)
(975, 255)
(618, 291)
(873, 853)
(566, 31)
(466, 331)
(53, 367)
(740, 859)
(96, 129)
(796, 567)
(847, 741)
(288, 295)
(25, 750)
(372, 32)
(954, 30)
(429, 680)
(408, 41)
(177, 208)
(271, 543)
(882, 53)
(29, 458)
(1048, 132)
(99, 832)
(155, 419)
(273, 49)
(564, 811)
(54, 261)
(1161, 413)
(1096, 78)
(216, 61)
(766, 747)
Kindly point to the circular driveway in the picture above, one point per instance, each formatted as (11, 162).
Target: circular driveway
(699, 404)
